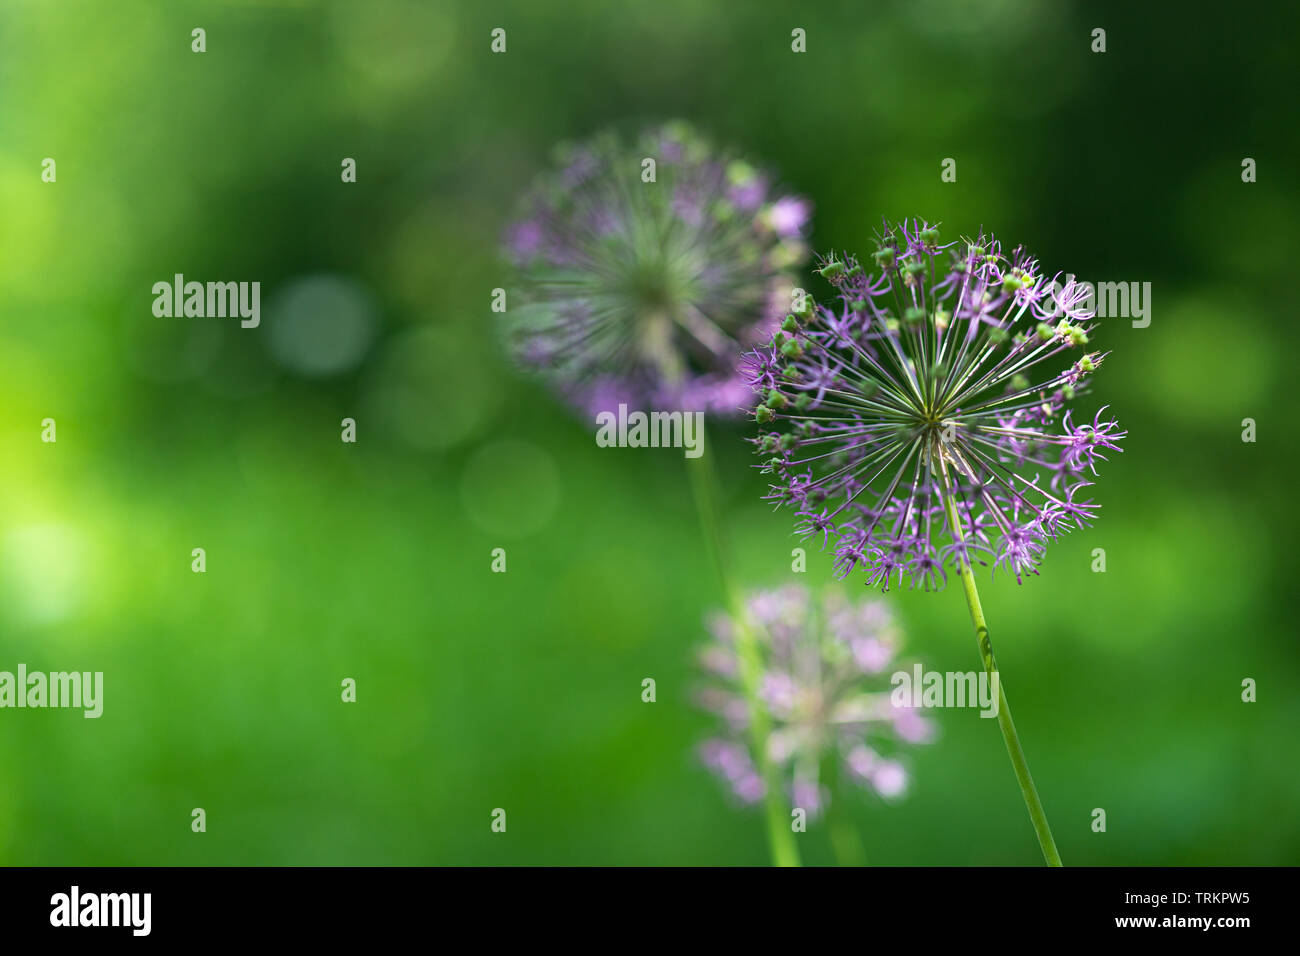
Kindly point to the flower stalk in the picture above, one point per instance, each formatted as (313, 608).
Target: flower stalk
(1008, 727)
(780, 837)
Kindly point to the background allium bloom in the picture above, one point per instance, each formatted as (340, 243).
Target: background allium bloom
(648, 292)
(940, 366)
(825, 686)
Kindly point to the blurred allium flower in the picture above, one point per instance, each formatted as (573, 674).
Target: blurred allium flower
(648, 292)
(825, 686)
(941, 366)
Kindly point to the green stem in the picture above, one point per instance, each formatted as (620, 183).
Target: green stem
(846, 841)
(1007, 725)
(779, 835)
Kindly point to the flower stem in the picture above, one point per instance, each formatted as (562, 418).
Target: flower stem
(846, 841)
(1008, 727)
(780, 838)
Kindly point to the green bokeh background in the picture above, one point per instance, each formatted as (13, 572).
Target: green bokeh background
(522, 690)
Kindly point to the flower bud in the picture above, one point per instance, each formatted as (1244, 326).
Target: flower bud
(832, 270)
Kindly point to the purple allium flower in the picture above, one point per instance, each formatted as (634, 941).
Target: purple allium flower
(824, 687)
(942, 368)
(649, 292)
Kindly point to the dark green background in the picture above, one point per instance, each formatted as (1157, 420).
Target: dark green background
(522, 690)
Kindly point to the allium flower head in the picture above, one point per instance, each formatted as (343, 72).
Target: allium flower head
(648, 292)
(825, 686)
(938, 368)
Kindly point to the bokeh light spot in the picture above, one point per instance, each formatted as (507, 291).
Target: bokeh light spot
(321, 325)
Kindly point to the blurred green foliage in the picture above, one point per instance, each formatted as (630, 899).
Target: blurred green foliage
(522, 690)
